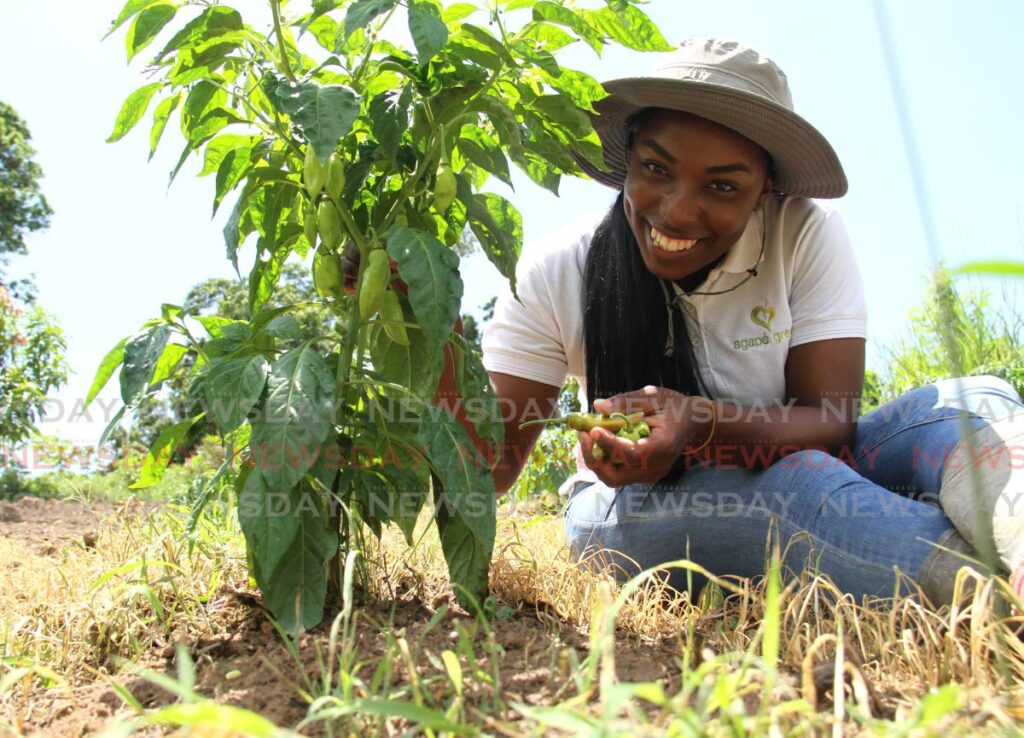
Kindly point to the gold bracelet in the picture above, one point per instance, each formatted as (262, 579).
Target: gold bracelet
(714, 423)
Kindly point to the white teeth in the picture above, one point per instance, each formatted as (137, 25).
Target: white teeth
(672, 244)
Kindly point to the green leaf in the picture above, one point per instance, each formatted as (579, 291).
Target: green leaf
(389, 118)
(160, 117)
(468, 558)
(477, 146)
(429, 32)
(219, 148)
(169, 359)
(132, 110)
(212, 22)
(463, 49)
(476, 392)
(551, 37)
(581, 88)
(147, 25)
(504, 122)
(300, 582)
(232, 230)
(114, 423)
(499, 228)
(202, 99)
(415, 366)
(362, 12)
(432, 272)
(130, 9)
(295, 418)
(466, 479)
(323, 114)
(284, 328)
(544, 10)
(408, 475)
(160, 453)
(416, 715)
(233, 387)
(998, 268)
(325, 31)
(106, 369)
(540, 171)
(214, 121)
(235, 165)
(202, 61)
(141, 354)
(488, 41)
(457, 11)
(561, 109)
(630, 27)
(267, 516)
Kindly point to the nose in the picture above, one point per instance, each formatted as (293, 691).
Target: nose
(680, 207)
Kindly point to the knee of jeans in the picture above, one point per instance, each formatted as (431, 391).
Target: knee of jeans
(985, 395)
(800, 462)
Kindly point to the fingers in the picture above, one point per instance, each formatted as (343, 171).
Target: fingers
(622, 461)
(646, 399)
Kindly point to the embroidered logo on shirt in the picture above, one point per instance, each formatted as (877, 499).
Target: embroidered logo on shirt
(763, 316)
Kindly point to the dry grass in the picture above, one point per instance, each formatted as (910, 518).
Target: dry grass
(75, 617)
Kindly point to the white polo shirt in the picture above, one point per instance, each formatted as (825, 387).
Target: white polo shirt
(808, 288)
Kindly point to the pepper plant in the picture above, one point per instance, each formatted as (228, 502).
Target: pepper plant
(325, 133)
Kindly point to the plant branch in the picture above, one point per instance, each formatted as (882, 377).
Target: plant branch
(286, 66)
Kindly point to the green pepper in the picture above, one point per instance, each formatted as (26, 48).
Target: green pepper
(630, 427)
(327, 275)
(330, 225)
(584, 422)
(373, 283)
(309, 224)
(445, 187)
(393, 317)
(313, 172)
(335, 177)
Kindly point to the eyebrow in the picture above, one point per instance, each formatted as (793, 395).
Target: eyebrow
(721, 169)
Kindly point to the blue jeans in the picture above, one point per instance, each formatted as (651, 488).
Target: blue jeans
(863, 519)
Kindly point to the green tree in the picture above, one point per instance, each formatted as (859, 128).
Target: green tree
(23, 208)
(31, 344)
(31, 365)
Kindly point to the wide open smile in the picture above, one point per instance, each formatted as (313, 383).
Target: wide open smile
(667, 243)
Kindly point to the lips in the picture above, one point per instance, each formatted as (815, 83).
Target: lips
(671, 244)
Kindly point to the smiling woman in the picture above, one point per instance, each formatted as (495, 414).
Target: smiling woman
(724, 303)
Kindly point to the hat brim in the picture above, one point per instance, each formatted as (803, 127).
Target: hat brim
(805, 163)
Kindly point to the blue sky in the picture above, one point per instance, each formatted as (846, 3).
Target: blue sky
(121, 243)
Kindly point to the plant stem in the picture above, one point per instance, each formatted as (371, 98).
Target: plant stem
(286, 66)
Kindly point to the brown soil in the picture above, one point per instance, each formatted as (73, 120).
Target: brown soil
(48, 525)
(241, 660)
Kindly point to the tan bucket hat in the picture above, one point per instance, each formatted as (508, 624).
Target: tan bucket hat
(735, 86)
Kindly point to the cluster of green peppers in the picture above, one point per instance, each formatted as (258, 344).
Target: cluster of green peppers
(632, 427)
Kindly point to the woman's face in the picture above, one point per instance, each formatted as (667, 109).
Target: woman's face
(690, 189)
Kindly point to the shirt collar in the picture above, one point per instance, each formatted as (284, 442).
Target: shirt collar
(746, 252)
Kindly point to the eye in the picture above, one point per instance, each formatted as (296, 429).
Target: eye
(653, 167)
(723, 187)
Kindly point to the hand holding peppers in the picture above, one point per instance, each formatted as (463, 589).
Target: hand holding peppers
(629, 427)
(677, 423)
